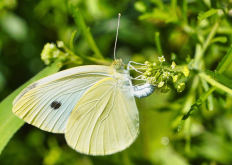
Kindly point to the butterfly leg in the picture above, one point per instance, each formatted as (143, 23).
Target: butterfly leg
(138, 78)
(133, 68)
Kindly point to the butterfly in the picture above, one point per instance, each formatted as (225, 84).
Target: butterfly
(93, 105)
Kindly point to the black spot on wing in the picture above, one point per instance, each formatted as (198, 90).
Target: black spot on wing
(55, 105)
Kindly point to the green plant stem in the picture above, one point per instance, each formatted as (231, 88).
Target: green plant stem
(220, 69)
(184, 8)
(72, 48)
(197, 65)
(174, 4)
(206, 94)
(92, 59)
(195, 106)
(190, 98)
(188, 137)
(225, 62)
(86, 31)
(210, 37)
(200, 53)
(157, 42)
(215, 83)
(209, 101)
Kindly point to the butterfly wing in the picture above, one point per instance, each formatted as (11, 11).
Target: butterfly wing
(48, 103)
(105, 120)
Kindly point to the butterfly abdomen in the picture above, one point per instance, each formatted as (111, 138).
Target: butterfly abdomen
(143, 90)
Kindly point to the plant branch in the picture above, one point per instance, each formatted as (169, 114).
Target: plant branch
(85, 30)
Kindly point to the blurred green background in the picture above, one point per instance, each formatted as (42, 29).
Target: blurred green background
(206, 139)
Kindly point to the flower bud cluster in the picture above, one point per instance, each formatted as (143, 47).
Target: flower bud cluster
(159, 74)
(50, 53)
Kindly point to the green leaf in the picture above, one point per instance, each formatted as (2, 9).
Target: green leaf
(161, 14)
(220, 78)
(225, 61)
(209, 100)
(140, 6)
(209, 72)
(219, 39)
(180, 125)
(85, 30)
(207, 14)
(9, 123)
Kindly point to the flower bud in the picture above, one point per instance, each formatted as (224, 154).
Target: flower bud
(147, 62)
(185, 71)
(174, 78)
(173, 65)
(181, 87)
(160, 84)
(148, 73)
(149, 69)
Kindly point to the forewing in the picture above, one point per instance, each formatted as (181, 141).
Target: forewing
(49, 102)
(105, 120)
(88, 69)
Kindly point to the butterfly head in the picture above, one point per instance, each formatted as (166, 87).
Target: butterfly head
(118, 64)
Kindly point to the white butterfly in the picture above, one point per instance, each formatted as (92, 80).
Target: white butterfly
(92, 105)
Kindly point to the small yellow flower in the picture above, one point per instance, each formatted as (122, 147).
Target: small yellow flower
(160, 84)
(175, 78)
(173, 65)
(185, 71)
(166, 75)
(148, 73)
(147, 62)
(161, 59)
(154, 64)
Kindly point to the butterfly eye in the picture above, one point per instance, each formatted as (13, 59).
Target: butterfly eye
(55, 104)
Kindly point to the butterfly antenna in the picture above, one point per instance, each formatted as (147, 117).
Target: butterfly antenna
(119, 16)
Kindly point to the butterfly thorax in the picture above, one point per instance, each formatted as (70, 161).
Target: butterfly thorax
(118, 65)
(122, 75)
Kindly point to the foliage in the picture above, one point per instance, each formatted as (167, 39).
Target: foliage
(195, 34)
